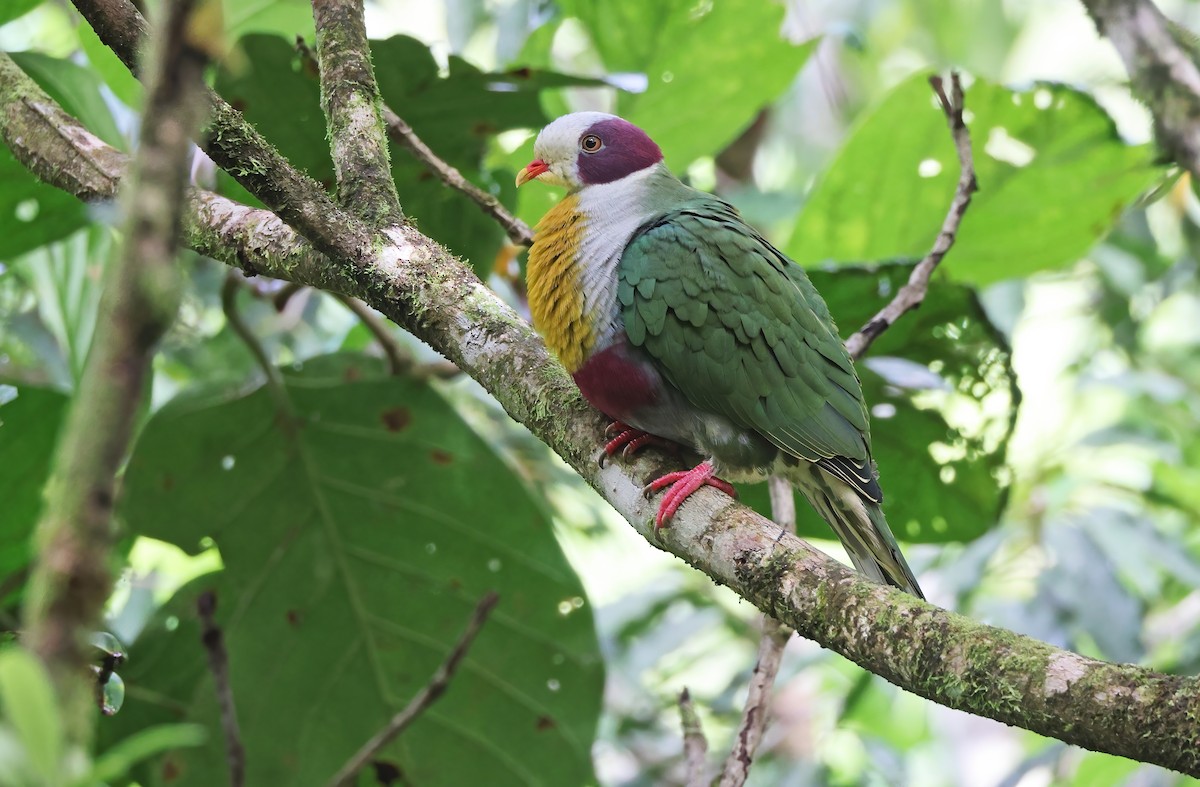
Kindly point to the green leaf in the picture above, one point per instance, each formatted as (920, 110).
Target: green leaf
(1053, 178)
(28, 434)
(31, 212)
(15, 9)
(76, 89)
(123, 84)
(27, 699)
(356, 542)
(288, 18)
(626, 33)
(942, 395)
(697, 58)
(124, 755)
(706, 66)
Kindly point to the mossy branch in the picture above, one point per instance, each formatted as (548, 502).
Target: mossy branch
(352, 106)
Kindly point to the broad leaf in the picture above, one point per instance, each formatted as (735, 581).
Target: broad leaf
(28, 434)
(15, 9)
(697, 57)
(1053, 178)
(356, 540)
(28, 706)
(115, 74)
(31, 212)
(942, 396)
(288, 18)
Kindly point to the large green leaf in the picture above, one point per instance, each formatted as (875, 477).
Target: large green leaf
(1053, 177)
(29, 425)
(31, 212)
(710, 66)
(14, 9)
(942, 395)
(115, 74)
(356, 539)
(456, 115)
(27, 702)
(288, 18)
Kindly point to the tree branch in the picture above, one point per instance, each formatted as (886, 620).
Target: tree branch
(218, 664)
(695, 745)
(424, 698)
(71, 579)
(1162, 69)
(912, 293)
(403, 134)
(241, 151)
(1120, 709)
(350, 99)
(771, 644)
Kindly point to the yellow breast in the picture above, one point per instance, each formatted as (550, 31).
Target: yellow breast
(553, 276)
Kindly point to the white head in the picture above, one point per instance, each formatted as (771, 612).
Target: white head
(587, 148)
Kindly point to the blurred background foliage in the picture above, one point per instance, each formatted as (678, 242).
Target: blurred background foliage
(1036, 420)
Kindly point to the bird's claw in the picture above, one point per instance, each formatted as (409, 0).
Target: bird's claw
(628, 441)
(682, 484)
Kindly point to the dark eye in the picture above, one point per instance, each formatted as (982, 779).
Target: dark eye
(590, 144)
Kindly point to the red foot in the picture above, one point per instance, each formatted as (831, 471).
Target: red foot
(683, 483)
(629, 440)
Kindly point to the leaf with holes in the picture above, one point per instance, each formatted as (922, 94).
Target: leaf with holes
(357, 536)
(1053, 178)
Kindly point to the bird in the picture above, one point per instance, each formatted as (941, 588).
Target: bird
(683, 324)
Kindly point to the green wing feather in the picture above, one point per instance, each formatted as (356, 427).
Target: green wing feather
(739, 329)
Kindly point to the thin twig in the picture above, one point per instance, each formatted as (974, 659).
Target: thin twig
(695, 745)
(234, 283)
(403, 134)
(399, 357)
(350, 100)
(218, 664)
(71, 577)
(771, 644)
(424, 698)
(912, 293)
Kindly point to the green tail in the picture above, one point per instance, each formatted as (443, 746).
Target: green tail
(861, 527)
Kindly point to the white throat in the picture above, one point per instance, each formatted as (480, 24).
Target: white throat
(612, 212)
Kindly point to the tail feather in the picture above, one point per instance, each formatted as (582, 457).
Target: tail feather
(861, 527)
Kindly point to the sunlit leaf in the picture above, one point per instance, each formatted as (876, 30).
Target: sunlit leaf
(29, 706)
(709, 67)
(1053, 175)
